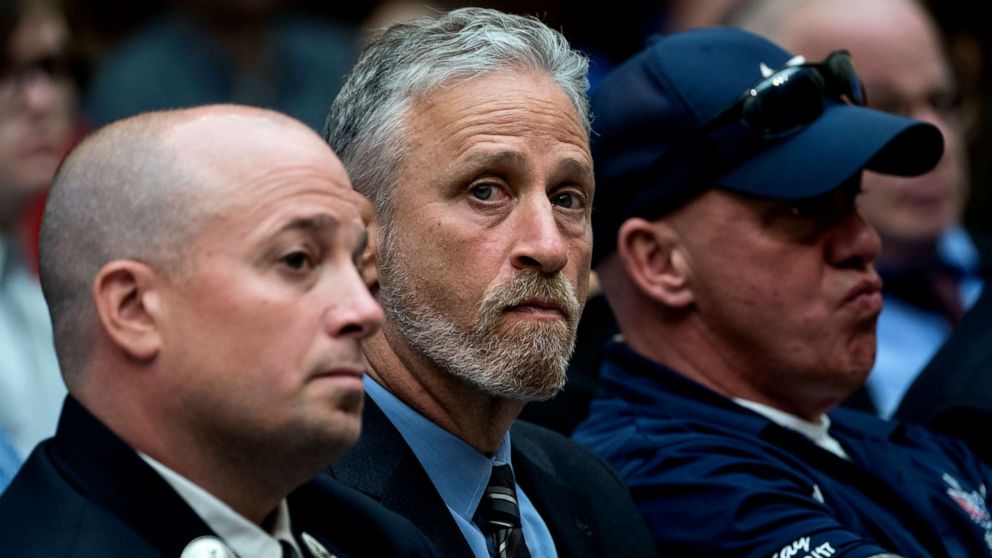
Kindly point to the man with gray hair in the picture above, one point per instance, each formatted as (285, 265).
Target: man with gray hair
(207, 318)
(469, 133)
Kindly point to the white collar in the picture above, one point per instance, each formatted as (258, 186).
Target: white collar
(245, 538)
(818, 432)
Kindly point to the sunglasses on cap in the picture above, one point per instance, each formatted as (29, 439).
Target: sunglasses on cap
(792, 97)
(781, 103)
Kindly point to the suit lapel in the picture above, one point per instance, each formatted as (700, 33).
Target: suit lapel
(110, 473)
(383, 466)
(567, 514)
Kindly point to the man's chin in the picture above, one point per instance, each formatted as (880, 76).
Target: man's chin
(531, 380)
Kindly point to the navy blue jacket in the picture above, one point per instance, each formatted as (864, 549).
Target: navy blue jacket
(713, 478)
(87, 494)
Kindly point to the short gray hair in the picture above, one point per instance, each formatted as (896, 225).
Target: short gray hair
(409, 60)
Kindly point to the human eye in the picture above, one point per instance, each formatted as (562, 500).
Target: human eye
(945, 101)
(484, 191)
(830, 207)
(297, 260)
(805, 209)
(569, 199)
(487, 191)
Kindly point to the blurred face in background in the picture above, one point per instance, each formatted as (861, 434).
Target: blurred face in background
(37, 103)
(898, 55)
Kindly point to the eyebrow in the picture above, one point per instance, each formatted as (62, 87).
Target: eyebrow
(318, 223)
(574, 166)
(569, 165)
(324, 224)
(502, 158)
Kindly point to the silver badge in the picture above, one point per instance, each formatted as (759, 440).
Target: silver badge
(316, 548)
(207, 547)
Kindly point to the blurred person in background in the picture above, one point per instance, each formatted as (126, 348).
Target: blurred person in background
(931, 266)
(254, 52)
(37, 108)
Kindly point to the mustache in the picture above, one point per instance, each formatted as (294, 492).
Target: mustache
(530, 285)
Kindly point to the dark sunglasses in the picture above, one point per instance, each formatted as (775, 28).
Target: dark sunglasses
(793, 96)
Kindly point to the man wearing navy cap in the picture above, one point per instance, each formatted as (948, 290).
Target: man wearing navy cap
(729, 244)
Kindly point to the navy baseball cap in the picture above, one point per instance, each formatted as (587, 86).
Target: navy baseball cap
(654, 145)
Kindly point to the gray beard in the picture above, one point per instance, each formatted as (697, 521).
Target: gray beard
(524, 361)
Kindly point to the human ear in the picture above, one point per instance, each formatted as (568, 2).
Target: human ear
(654, 258)
(369, 263)
(126, 298)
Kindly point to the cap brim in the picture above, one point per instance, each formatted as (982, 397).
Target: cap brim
(844, 140)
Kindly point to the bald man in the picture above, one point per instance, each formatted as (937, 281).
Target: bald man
(199, 266)
(932, 268)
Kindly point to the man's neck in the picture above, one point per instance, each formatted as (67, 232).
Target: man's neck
(479, 419)
(250, 482)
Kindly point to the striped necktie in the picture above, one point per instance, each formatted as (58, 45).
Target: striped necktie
(498, 516)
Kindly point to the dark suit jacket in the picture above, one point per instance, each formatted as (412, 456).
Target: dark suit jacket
(584, 504)
(953, 393)
(86, 494)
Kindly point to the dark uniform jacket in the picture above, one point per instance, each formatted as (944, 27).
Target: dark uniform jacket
(953, 393)
(715, 479)
(87, 494)
(585, 506)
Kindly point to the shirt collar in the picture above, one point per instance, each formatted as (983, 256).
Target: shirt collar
(658, 391)
(459, 472)
(818, 432)
(245, 538)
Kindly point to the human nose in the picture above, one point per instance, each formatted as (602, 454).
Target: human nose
(355, 314)
(40, 91)
(853, 243)
(539, 242)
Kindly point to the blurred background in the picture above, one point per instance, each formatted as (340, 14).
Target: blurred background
(292, 54)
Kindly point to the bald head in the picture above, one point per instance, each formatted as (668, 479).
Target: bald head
(139, 189)
(880, 34)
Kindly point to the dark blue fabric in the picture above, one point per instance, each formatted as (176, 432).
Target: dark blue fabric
(716, 479)
(87, 494)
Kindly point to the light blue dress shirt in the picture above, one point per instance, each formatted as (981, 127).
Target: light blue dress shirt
(460, 473)
(909, 336)
(31, 387)
(9, 462)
